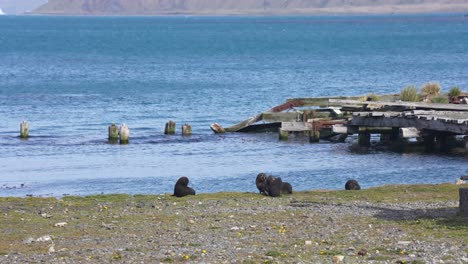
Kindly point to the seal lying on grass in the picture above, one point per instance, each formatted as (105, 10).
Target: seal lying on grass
(352, 185)
(181, 189)
(274, 186)
(286, 188)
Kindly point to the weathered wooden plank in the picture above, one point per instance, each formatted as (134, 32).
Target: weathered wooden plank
(321, 101)
(455, 107)
(375, 130)
(377, 114)
(239, 126)
(409, 132)
(340, 129)
(244, 124)
(290, 116)
(296, 126)
(282, 116)
(262, 127)
(421, 124)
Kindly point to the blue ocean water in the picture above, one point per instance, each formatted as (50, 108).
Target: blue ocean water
(71, 77)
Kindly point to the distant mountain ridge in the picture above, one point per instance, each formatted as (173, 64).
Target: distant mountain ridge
(233, 7)
(13, 7)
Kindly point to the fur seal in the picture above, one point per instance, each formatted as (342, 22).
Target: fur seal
(181, 189)
(261, 183)
(352, 185)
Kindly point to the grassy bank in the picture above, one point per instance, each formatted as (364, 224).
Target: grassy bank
(408, 223)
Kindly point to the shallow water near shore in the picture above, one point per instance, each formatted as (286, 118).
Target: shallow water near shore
(71, 77)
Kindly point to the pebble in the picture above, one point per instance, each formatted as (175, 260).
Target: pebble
(28, 240)
(60, 224)
(404, 243)
(44, 238)
(164, 239)
(45, 215)
(338, 259)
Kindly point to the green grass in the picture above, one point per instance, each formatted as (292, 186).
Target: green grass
(440, 100)
(20, 218)
(409, 94)
(387, 194)
(454, 91)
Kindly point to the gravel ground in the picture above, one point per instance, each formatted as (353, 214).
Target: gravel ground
(306, 227)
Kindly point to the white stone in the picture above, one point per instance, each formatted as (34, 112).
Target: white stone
(338, 259)
(61, 224)
(45, 215)
(404, 243)
(44, 238)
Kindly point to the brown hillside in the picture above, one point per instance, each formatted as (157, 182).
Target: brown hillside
(232, 7)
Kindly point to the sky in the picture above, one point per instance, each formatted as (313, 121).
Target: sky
(14, 7)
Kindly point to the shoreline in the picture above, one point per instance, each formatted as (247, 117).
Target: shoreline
(411, 223)
(426, 9)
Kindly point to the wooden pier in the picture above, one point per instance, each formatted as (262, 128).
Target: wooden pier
(326, 118)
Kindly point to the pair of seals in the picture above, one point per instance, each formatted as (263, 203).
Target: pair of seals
(272, 186)
(181, 188)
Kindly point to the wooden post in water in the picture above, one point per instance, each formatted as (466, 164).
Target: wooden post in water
(170, 128)
(314, 134)
(465, 139)
(385, 138)
(364, 138)
(24, 129)
(124, 134)
(429, 142)
(441, 142)
(283, 134)
(186, 130)
(113, 133)
(463, 202)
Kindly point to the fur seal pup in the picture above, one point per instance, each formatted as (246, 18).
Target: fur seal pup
(261, 183)
(352, 185)
(274, 186)
(181, 188)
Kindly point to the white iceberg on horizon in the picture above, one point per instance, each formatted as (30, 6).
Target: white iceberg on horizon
(1, 12)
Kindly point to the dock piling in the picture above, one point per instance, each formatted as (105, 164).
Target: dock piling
(364, 139)
(124, 134)
(186, 130)
(113, 133)
(24, 129)
(170, 128)
(283, 134)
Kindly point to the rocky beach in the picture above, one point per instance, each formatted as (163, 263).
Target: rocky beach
(389, 224)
